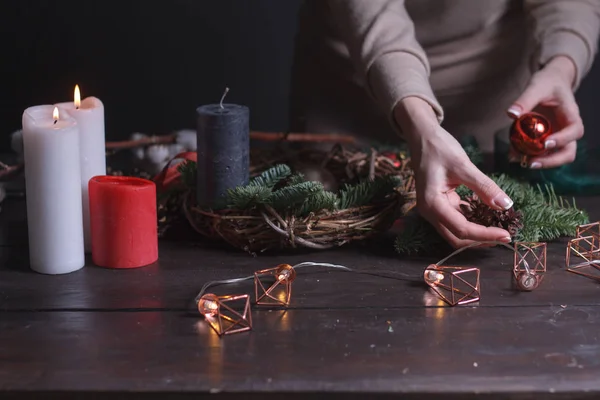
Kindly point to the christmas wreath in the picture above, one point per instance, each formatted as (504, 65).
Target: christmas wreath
(321, 199)
(284, 206)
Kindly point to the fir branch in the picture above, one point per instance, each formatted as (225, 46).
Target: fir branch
(417, 236)
(271, 176)
(367, 192)
(519, 192)
(290, 197)
(295, 179)
(543, 222)
(244, 197)
(545, 215)
(318, 202)
(188, 170)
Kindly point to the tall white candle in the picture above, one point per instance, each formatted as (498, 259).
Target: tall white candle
(89, 115)
(53, 191)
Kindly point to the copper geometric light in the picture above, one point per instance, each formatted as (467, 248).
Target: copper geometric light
(454, 285)
(220, 312)
(273, 286)
(593, 231)
(530, 264)
(582, 257)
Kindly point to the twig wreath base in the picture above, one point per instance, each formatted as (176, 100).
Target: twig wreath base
(264, 228)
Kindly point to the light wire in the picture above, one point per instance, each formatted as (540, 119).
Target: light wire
(474, 244)
(297, 266)
(344, 268)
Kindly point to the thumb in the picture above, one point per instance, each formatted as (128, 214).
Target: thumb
(528, 100)
(487, 190)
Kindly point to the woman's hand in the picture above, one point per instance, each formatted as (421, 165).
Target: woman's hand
(550, 93)
(441, 165)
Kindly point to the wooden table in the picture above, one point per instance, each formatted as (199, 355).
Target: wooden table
(107, 333)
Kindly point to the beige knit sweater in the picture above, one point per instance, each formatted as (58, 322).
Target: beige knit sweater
(470, 59)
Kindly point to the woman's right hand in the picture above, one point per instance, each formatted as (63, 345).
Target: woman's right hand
(441, 165)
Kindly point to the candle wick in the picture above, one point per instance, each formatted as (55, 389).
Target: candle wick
(55, 121)
(223, 97)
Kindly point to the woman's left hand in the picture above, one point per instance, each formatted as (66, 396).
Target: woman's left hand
(550, 93)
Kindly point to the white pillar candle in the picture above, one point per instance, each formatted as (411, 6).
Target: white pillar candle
(89, 115)
(53, 191)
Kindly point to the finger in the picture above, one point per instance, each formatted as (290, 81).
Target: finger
(530, 98)
(443, 213)
(485, 188)
(565, 155)
(570, 133)
(456, 242)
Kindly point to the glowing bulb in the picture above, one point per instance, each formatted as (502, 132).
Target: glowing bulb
(434, 276)
(77, 97)
(208, 305)
(285, 273)
(55, 114)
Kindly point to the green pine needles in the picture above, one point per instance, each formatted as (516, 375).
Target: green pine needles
(367, 192)
(291, 194)
(417, 237)
(546, 217)
(188, 172)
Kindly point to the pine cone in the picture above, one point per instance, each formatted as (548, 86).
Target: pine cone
(479, 213)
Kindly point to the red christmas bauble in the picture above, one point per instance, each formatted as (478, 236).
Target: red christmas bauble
(528, 134)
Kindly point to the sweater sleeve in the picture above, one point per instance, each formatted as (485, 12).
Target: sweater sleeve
(380, 37)
(566, 28)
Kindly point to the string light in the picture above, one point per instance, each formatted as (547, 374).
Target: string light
(279, 292)
(452, 284)
(225, 320)
(460, 285)
(221, 315)
(529, 276)
(592, 231)
(582, 257)
(398, 275)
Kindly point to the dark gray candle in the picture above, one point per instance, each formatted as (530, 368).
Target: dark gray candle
(223, 151)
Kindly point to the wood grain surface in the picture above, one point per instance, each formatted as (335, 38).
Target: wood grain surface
(106, 333)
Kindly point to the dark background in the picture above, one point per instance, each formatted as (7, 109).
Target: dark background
(153, 62)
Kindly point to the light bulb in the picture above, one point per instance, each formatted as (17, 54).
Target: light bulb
(285, 273)
(208, 304)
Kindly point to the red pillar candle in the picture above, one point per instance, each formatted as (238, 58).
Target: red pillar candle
(123, 221)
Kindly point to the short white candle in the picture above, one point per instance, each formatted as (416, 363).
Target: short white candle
(89, 115)
(53, 191)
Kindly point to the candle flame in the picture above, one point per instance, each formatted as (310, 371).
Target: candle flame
(55, 114)
(77, 97)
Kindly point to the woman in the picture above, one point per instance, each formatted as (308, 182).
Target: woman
(433, 70)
